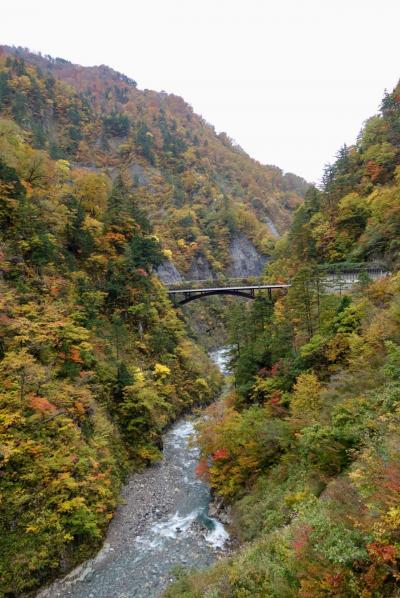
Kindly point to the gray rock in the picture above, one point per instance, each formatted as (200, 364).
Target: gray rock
(168, 274)
(272, 228)
(138, 174)
(245, 259)
(200, 269)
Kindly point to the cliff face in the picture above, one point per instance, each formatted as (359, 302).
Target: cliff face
(168, 274)
(245, 261)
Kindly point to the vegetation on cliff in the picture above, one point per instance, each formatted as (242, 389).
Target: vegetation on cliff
(198, 188)
(99, 184)
(94, 362)
(306, 447)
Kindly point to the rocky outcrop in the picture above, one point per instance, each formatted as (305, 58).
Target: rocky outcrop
(272, 228)
(138, 174)
(220, 510)
(168, 274)
(200, 269)
(245, 259)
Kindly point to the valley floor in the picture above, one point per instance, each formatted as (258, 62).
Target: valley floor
(161, 524)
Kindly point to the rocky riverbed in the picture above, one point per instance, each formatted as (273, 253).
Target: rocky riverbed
(163, 522)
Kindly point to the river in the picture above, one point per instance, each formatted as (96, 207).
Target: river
(162, 523)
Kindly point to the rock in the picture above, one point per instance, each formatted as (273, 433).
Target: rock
(138, 174)
(200, 269)
(168, 274)
(272, 228)
(245, 259)
(128, 564)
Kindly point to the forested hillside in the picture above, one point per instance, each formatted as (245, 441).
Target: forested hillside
(305, 449)
(101, 184)
(94, 362)
(199, 189)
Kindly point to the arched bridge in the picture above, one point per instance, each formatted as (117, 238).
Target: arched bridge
(182, 295)
(333, 280)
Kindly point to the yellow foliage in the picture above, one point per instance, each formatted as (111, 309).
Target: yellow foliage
(167, 253)
(161, 371)
(306, 397)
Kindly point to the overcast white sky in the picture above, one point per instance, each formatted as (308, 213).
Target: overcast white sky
(289, 80)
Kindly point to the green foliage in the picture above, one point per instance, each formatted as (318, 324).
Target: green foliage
(94, 363)
(322, 513)
(93, 358)
(116, 124)
(98, 119)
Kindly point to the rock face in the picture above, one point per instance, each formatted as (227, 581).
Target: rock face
(138, 174)
(246, 261)
(168, 274)
(272, 228)
(200, 269)
(217, 508)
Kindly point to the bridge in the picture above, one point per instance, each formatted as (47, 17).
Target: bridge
(333, 280)
(190, 292)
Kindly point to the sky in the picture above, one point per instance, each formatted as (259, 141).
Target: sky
(290, 81)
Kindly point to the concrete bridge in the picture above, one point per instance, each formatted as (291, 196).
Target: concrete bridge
(247, 290)
(333, 280)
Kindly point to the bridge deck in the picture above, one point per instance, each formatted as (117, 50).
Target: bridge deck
(237, 288)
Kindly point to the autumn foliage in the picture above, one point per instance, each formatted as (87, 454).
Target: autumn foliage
(88, 337)
(310, 434)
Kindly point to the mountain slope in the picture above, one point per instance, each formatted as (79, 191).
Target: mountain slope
(199, 189)
(305, 451)
(94, 361)
(100, 185)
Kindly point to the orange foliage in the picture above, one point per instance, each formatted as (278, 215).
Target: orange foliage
(373, 170)
(41, 404)
(202, 469)
(74, 355)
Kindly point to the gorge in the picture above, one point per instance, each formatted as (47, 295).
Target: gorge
(162, 523)
(108, 194)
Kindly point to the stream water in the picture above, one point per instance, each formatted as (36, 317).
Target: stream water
(162, 523)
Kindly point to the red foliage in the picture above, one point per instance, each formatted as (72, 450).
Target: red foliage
(275, 403)
(301, 538)
(383, 553)
(274, 369)
(142, 272)
(392, 478)
(275, 397)
(41, 404)
(334, 580)
(220, 454)
(202, 469)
